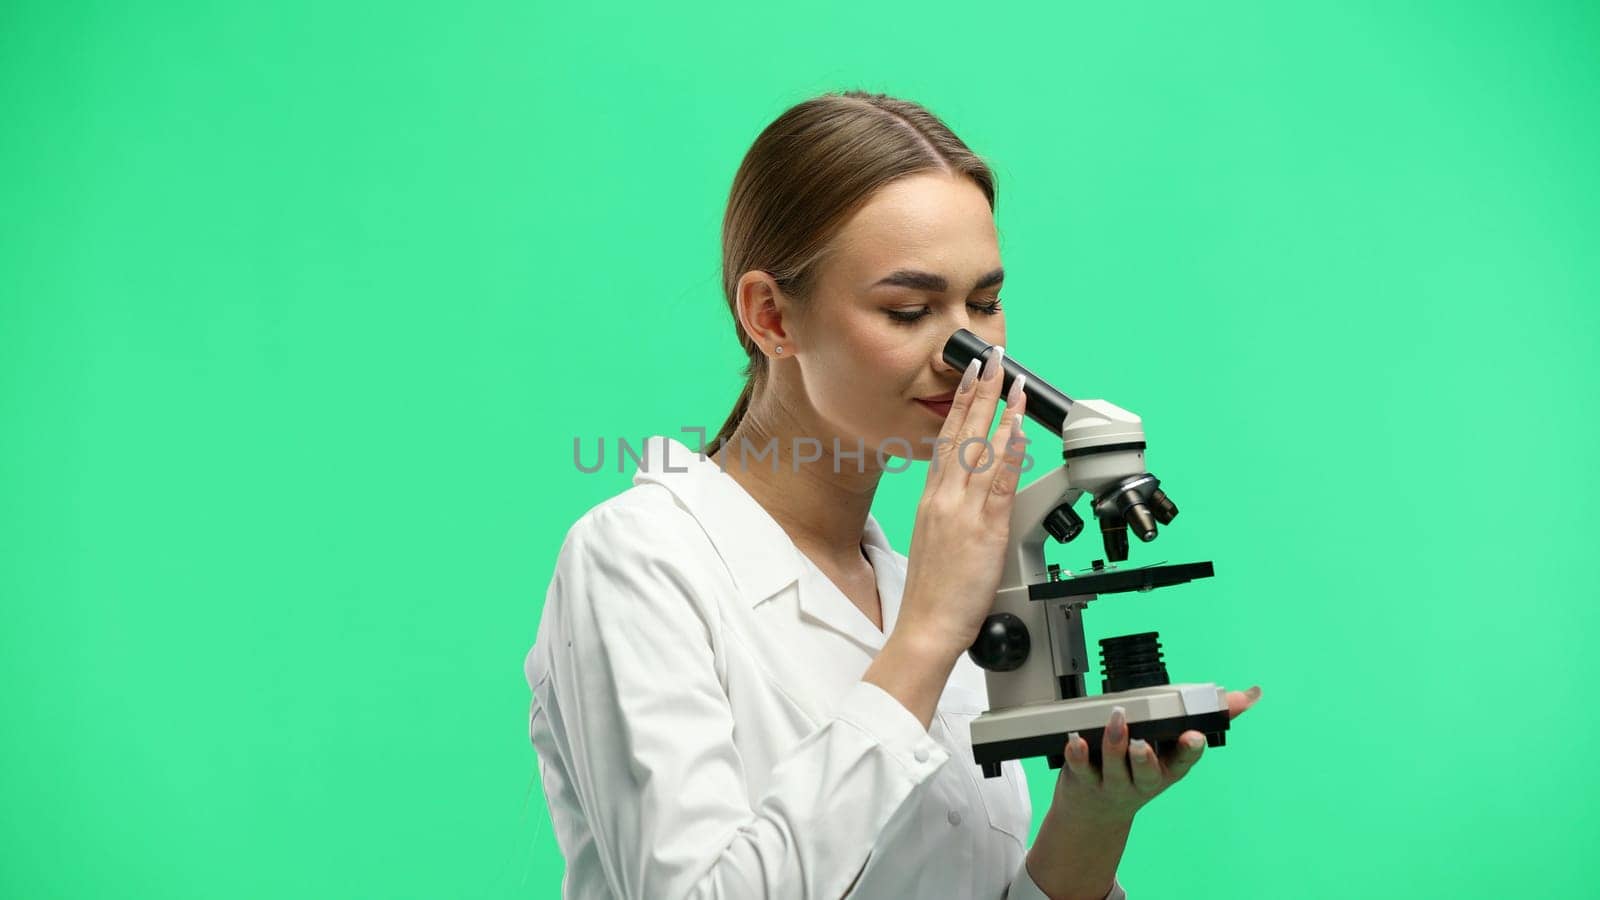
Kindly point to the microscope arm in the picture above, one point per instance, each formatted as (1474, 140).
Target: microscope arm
(1025, 563)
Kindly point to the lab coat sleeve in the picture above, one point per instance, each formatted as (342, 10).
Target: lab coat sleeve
(1023, 887)
(646, 731)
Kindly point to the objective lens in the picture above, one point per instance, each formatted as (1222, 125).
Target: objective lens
(1142, 523)
(1114, 533)
(1163, 507)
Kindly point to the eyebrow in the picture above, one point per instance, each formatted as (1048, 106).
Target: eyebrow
(927, 281)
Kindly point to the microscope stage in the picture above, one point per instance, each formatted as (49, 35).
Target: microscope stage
(1115, 580)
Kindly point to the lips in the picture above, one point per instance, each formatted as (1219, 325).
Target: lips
(939, 404)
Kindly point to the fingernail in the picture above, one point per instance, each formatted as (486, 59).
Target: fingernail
(993, 363)
(968, 376)
(1194, 742)
(1136, 748)
(1119, 724)
(1015, 397)
(1072, 744)
(1254, 693)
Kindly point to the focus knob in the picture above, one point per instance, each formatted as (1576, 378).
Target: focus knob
(1002, 643)
(1063, 524)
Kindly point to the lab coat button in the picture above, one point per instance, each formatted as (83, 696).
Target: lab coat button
(921, 754)
(955, 817)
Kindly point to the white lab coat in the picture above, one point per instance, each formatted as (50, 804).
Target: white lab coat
(702, 727)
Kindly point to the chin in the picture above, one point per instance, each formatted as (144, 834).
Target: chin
(917, 437)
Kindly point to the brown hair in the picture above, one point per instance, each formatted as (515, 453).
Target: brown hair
(806, 173)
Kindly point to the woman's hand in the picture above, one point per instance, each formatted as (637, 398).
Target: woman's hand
(964, 517)
(1130, 774)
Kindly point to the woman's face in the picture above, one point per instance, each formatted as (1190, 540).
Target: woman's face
(917, 262)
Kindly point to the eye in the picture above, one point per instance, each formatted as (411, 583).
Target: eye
(911, 315)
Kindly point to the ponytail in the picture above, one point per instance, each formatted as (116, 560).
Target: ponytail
(739, 409)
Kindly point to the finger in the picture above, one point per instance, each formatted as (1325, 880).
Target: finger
(972, 436)
(1078, 761)
(1146, 769)
(1190, 748)
(944, 447)
(1003, 477)
(1239, 701)
(974, 444)
(1114, 750)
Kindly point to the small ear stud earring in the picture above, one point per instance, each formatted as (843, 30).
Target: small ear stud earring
(780, 348)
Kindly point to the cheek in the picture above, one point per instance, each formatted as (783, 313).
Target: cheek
(861, 345)
(865, 368)
(882, 348)
(891, 361)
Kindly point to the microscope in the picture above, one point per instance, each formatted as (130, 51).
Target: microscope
(1031, 647)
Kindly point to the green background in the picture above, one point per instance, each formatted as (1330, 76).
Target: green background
(302, 305)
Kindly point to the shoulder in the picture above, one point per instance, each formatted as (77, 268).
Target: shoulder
(642, 528)
(635, 569)
(644, 518)
(637, 565)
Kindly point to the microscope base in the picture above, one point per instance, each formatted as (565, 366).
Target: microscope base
(1158, 714)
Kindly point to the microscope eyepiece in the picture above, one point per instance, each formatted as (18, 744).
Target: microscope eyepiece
(1045, 404)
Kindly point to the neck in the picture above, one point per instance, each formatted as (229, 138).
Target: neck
(821, 504)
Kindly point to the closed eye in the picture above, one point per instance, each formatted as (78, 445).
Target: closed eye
(906, 316)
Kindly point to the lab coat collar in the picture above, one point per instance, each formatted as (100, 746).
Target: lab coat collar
(756, 549)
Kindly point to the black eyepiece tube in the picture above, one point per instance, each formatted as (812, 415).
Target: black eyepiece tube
(1046, 405)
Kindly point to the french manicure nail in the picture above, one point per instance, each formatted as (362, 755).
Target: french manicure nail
(1195, 743)
(968, 377)
(1015, 396)
(1136, 748)
(1119, 723)
(992, 368)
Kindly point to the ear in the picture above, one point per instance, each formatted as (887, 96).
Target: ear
(763, 309)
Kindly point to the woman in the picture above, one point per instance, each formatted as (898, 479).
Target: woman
(740, 689)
